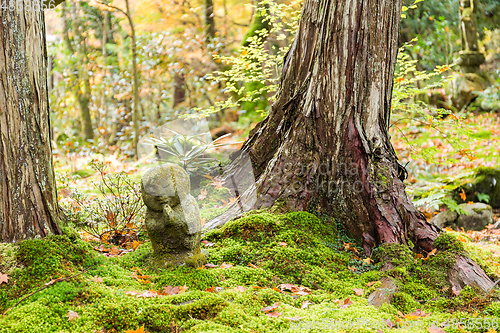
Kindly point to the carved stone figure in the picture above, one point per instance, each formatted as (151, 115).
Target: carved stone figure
(470, 57)
(173, 219)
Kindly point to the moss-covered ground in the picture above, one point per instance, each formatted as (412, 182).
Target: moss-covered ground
(261, 251)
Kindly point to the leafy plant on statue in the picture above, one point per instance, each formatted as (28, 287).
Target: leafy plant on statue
(188, 151)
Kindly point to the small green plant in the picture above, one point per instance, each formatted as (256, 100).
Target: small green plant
(483, 197)
(189, 151)
(114, 214)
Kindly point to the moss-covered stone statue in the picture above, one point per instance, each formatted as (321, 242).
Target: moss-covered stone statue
(173, 219)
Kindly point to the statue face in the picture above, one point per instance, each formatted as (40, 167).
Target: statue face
(465, 3)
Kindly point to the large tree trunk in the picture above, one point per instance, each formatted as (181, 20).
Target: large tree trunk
(28, 200)
(325, 145)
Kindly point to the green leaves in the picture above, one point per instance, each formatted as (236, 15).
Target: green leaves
(189, 151)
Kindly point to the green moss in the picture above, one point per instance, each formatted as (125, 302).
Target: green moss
(404, 302)
(39, 261)
(449, 243)
(396, 254)
(418, 291)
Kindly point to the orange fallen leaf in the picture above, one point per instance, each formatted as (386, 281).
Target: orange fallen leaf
(367, 261)
(432, 253)
(463, 196)
(138, 330)
(98, 279)
(252, 265)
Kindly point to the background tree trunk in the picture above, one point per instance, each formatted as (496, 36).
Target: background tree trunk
(209, 19)
(28, 199)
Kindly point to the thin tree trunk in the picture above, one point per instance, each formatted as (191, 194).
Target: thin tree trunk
(28, 199)
(209, 19)
(135, 114)
(179, 89)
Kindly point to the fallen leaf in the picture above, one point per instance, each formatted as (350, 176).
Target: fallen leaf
(434, 329)
(224, 265)
(114, 251)
(278, 290)
(367, 261)
(241, 289)
(432, 253)
(305, 304)
(358, 291)
(346, 303)
(135, 244)
(207, 243)
(98, 279)
(274, 314)
(454, 291)
(148, 294)
(369, 284)
(72, 315)
(202, 195)
(4, 278)
(270, 307)
(282, 244)
(252, 265)
(139, 330)
(463, 196)
(211, 265)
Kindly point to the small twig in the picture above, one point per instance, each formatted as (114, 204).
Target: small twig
(46, 286)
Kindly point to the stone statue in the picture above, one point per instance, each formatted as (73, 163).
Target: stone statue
(173, 219)
(470, 57)
(468, 25)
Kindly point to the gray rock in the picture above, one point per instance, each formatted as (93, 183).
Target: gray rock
(173, 219)
(480, 215)
(445, 218)
(477, 217)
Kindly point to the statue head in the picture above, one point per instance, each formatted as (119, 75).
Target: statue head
(465, 3)
(167, 184)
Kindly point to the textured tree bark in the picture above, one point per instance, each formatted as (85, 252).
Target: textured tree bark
(28, 199)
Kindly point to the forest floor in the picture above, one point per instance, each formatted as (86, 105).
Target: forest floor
(269, 271)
